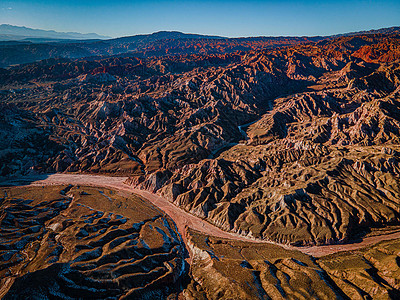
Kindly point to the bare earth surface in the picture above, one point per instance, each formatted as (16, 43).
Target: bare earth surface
(182, 218)
(81, 242)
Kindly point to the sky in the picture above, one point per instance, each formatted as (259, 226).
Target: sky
(232, 18)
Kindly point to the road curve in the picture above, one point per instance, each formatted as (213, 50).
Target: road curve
(182, 218)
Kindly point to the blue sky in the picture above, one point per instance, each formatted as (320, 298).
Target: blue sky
(226, 18)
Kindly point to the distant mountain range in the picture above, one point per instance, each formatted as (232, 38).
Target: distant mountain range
(388, 30)
(20, 45)
(21, 33)
(26, 34)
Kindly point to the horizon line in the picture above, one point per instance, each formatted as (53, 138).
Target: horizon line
(198, 33)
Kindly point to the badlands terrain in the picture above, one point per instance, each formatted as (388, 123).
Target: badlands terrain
(227, 168)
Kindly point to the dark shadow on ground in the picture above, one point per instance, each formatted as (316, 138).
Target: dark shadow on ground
(22, 180)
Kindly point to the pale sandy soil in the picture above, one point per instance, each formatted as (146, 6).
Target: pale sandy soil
(181, 217)
(319, 251)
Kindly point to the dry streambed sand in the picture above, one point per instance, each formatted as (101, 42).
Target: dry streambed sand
(182, 218)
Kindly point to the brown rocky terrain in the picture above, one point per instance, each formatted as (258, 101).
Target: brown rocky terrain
(321, 166)
(297, 144)
(175, 124)
(82, 242)
(153, 45)
(238, 270)
(372, 272)
(225, 269)
(223, 265)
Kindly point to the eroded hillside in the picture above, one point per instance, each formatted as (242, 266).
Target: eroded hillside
(81, 242)
(229, 269)
(295, 144)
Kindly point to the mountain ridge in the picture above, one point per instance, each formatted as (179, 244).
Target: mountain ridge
(17, 33)
(22, 32)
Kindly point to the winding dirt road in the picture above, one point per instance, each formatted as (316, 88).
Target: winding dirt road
(181, 217)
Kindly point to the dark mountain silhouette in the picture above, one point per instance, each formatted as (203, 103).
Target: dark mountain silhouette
(12, 33)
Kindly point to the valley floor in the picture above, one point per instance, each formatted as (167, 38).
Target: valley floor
(183, 219)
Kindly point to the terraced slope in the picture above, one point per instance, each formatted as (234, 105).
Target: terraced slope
(372, 272)
(81, 242)
(232, 269)
(229, 269)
